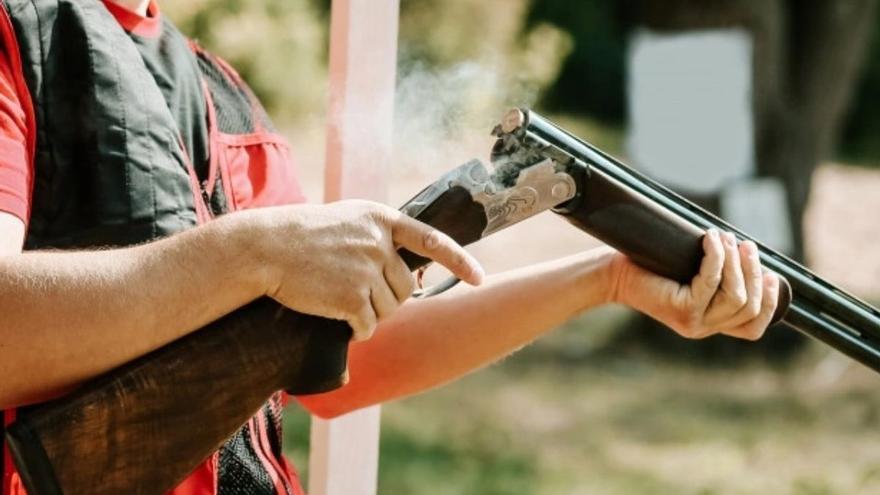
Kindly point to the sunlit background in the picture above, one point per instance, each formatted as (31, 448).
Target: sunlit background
(765, 111)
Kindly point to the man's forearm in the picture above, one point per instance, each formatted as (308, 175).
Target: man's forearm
(433, 341)
(68, 316)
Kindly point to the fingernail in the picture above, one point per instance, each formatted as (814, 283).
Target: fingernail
(713, 233)
(432, 240)
(478, 274)
(751, 249)
(729, 239)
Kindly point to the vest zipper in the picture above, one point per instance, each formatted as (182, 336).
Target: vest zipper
(206, 198)
(201, 198)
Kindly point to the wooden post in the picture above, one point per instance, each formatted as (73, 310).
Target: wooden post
(344, 454)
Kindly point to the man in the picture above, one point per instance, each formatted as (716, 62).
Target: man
(120, 142)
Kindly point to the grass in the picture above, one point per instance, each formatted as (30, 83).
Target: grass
(594, 419)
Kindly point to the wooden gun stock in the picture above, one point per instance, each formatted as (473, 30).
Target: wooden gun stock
(143, 427)
(140, 429)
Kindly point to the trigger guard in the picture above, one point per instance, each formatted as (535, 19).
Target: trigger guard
(436, 289)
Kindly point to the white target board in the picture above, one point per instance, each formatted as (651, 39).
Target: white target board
(690, 110)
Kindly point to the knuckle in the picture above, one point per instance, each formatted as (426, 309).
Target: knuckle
(368, 208)
(374, 250)
(753, 308)
(431, 240)
(459, 261)
(358, 299)
(749, 312)
(690, 321)
(375, 232)
(712, 280)
(739, 297)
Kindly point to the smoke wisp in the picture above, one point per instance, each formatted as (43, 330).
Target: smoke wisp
(442, 117)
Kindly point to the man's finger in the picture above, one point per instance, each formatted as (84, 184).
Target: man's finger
(431, 243)
(752, 275)
(383, 300)
(363, 323)
(754, 329)
(705, 284)
(733, 285)
(733, 294)
(399, 278)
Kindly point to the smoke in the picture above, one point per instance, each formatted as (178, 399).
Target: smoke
(443, 117)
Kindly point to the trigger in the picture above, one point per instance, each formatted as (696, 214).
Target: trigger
(435, 289)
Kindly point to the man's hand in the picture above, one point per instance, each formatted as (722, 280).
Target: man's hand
(340, 260)
(730, 295)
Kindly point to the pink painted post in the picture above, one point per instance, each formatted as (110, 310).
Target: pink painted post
(363, 57)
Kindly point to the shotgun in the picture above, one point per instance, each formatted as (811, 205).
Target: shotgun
(133, 430)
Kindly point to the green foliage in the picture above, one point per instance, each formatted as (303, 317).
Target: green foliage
(490, 33)
(591, 81)
(443, 465)
(278, 46)
(860, 137)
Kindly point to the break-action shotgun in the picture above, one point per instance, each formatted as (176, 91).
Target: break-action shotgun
(135, 430)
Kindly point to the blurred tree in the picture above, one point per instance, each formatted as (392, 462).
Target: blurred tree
(278, 46)
(591, 80)
(487, 33)
(860, 139)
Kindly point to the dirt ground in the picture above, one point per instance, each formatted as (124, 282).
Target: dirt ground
(843, 228)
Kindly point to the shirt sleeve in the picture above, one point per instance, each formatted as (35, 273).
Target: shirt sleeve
(15, 168)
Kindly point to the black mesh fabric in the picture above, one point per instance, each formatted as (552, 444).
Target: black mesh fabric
(240, 470)
(273, 421)
(218, 202)
(260, 112)
(234, 104)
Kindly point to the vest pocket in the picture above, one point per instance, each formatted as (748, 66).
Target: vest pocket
(257, 170)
